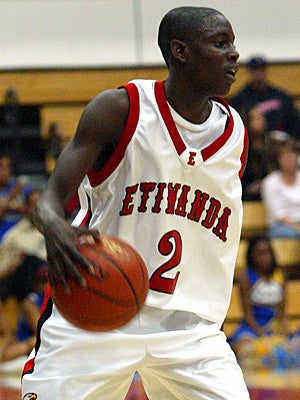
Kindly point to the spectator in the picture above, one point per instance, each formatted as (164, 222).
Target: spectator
(22, 266)
(18, 282)
(258, 157)
(275, 104)
(275, 138)
(24, 236)
(20, 342)
(54, 143)
(281, 192)
(12, 193)
(14, 114)
(12, 109)
(262, 293)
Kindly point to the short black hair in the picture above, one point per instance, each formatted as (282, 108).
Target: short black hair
(182, 23)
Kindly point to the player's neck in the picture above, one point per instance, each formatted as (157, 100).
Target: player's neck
(193, 108)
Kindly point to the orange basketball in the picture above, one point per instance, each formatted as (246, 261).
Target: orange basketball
(114, 294)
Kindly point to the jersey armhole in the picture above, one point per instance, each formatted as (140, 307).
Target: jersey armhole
(98, 176)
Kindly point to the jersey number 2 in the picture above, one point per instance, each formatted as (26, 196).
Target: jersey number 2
(169, 244)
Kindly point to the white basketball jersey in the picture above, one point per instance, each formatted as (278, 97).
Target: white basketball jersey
(173, 190)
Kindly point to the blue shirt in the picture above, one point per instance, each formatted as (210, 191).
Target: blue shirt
(10, 217)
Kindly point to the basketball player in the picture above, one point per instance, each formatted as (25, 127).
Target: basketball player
(159, 165)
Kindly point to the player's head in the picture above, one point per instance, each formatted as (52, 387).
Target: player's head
(183, 23)
(198, 43)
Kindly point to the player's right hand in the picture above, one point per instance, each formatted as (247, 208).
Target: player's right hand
(62, 241)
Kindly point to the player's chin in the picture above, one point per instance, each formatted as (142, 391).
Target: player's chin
(223, 89)
(224, 84)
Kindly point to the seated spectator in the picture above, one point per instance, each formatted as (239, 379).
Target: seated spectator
(18, 282)
(19, 342)
(262, 293)
(258, 157)
(275, 138)
(274, 103)
(281, 192)
(23, 237)
(12, 193)
(22, 261)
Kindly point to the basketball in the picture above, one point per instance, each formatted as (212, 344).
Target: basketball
(113, 295)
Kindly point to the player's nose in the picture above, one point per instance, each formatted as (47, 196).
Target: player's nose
(233, 54)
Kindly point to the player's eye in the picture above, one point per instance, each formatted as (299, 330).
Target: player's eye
(220, 44)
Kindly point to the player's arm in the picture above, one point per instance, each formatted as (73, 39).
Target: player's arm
(99, 127)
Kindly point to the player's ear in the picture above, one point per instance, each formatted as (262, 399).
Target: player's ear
(179, 50)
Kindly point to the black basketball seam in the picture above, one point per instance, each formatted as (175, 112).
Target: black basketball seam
(120, 302)
(100, 295)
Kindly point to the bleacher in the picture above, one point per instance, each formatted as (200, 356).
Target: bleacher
(287, 253)
(235, 312)
(62, 94)
(254, 219)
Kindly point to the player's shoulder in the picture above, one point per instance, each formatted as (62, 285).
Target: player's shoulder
(107, 108)
(117, 100)
(112, 98)
(104, 118)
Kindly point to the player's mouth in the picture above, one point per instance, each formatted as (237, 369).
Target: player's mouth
(231, 73)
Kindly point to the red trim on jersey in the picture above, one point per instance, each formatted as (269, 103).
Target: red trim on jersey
(167, 117)
(244, 155)
(46, 312)
(97, 177)
(28, 367)
(221, 140)
(174, 133)
(47, 295)
(86, 217)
